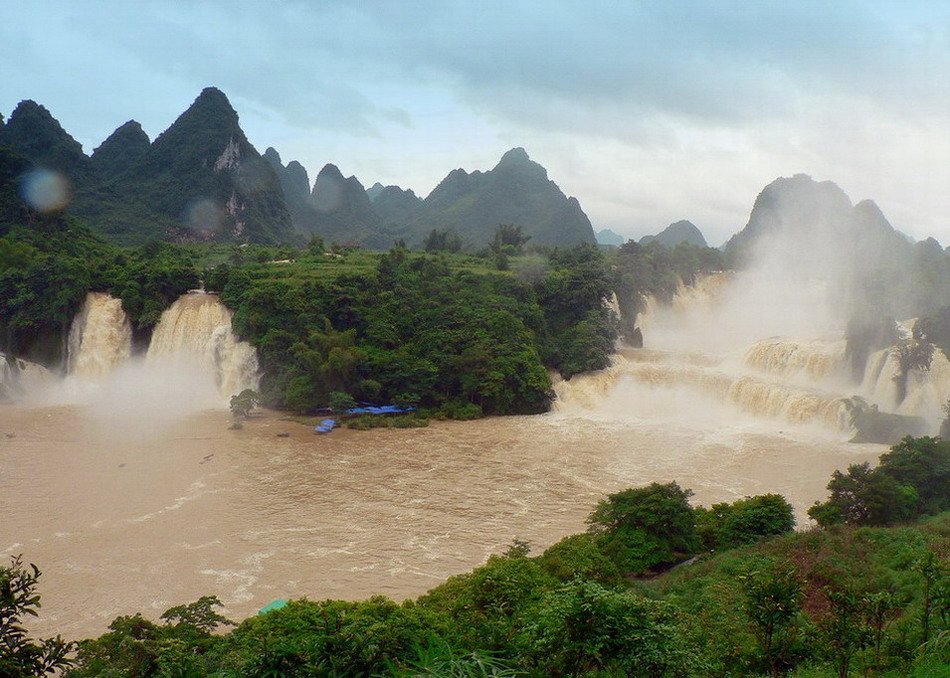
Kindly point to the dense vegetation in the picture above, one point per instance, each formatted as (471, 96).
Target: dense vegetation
(421, 329)
(845, 600)
(48, 262)
(464, 334)
(912, 479)
(638, 271)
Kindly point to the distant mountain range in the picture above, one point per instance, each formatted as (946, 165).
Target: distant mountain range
(607, 237)
(201, 179)
(671, 236)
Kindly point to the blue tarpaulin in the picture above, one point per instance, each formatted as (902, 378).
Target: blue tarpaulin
(384, 409)
(325, 426)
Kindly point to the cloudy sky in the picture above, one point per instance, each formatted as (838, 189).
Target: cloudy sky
(647, 111)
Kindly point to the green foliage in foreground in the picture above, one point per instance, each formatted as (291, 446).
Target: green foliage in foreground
(647, 526)
(912, 479)
(20, 655)
(870, 601)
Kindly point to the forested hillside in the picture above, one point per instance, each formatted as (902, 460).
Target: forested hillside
(202, 180)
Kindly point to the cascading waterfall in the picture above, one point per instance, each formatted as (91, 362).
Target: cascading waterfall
(748, 394)
(814, 360)
(790, 380)
(195, 333)
(927, 391)
(193, 362)
(100, 337)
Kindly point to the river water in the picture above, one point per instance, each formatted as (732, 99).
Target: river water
(125, 484)
(126, 519)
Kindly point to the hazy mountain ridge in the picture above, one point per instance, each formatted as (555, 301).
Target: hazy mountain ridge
(800, 224)
(516, 191)
(201, 179)
(396, 205)
(675, 233)
(606, 236)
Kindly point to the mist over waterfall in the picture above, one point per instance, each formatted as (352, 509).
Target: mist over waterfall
(713, 359)
(804, 330)
(18, 377)
(100, 337)
(193, 362)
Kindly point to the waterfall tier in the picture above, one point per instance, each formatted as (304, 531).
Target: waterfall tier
(100, 337)
(195, 333)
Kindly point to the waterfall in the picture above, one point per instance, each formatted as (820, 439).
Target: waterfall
(813, 360)
(100, 337)
(715, 364)
(689, 316)
(927, 390)
(670, 384)
(19, 377)
(195, 333)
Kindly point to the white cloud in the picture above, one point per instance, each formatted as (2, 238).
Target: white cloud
(648, 112)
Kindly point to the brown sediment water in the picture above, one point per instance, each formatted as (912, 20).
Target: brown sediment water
(126, 486)
(141, 520)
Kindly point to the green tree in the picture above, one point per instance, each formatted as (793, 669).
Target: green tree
(199, 615)
(509, 240)
(745, 521)
(879, 609)
(934, 572)
(583, 628)
(924, 464)
(642, 527)
(244, 402)
(20, 655)
(865, 497)
(442, 241)
(183, 647)
(913, 478)
(578, 556)
(341, 401)
(773, 595)
(842, 628)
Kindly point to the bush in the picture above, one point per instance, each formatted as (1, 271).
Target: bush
(745, 521)
(643, 527)
(461, 411)
(912, 479)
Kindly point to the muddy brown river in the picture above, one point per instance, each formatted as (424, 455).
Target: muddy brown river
(124, 518)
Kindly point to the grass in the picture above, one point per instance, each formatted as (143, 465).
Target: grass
(365, 422)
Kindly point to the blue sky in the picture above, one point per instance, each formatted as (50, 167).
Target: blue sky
(648, 112)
